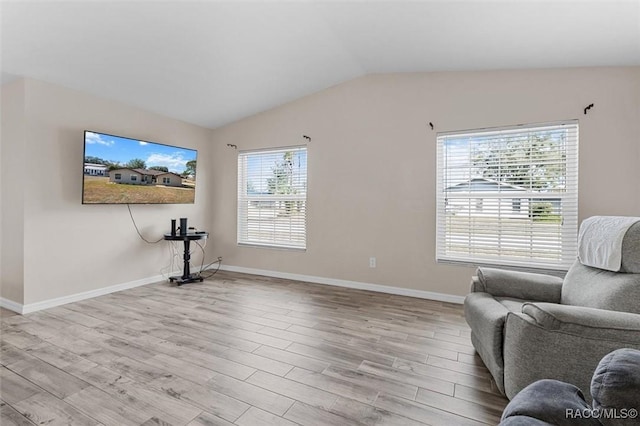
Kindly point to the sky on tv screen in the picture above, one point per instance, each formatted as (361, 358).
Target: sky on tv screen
(121, 150)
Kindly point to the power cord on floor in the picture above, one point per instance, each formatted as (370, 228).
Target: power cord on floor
(209, 275)
(203, 268)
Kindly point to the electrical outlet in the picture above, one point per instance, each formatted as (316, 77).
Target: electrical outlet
(372, 262)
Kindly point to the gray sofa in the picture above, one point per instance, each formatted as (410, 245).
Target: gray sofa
(528, 327)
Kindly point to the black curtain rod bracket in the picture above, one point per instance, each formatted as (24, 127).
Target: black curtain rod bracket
(588, 108)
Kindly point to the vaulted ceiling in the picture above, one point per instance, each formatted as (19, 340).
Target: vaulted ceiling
(214, 62)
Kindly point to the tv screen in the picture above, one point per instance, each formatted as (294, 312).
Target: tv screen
(120, 170)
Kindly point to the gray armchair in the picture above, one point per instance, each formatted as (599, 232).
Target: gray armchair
(527, 327)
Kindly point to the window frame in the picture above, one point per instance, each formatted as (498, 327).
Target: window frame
(567, 200)
(244, 197)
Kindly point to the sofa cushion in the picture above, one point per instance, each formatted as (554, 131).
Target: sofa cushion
(513, 305)
(597, 288)
(548, 401)
(616, 382)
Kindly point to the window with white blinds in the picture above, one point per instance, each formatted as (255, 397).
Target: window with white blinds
(272, 197)
(509, 196)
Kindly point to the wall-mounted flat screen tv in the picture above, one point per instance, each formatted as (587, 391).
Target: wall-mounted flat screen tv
(119, 170)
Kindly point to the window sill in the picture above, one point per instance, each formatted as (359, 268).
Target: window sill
(272, 247)
(537, 270)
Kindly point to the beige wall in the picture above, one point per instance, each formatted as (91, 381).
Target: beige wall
(371, 175)
(372, 163)
(12, 142)
(71, 248)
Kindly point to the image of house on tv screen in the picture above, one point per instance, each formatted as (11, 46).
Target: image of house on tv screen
(120, 170)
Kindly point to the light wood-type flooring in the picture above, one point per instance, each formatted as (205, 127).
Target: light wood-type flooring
(244, 350)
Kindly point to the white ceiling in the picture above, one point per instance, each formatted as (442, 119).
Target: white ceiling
(214, 62)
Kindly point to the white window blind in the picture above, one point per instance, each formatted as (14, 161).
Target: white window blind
(272, 197)
(509, 196)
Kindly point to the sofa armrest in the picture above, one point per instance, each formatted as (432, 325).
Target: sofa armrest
(519, 285)
(562, 342)
(586, 322)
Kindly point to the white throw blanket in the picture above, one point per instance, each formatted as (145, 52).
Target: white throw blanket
(600, 241)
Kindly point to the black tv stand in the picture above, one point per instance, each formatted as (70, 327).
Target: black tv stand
(187, 277)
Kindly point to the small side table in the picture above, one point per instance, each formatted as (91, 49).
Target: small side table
(187, 276)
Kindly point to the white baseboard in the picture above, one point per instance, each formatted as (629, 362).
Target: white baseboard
(421, 294)
(51, 303)
(10, 305)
